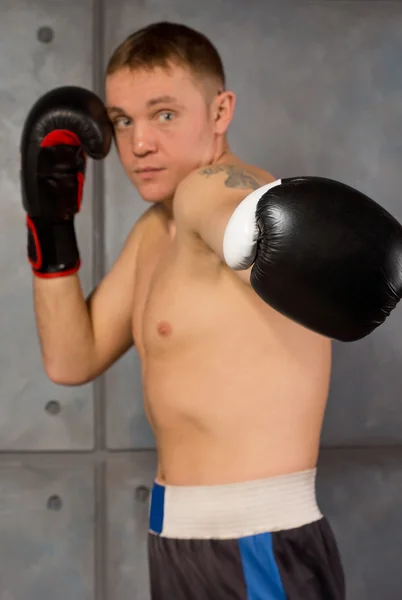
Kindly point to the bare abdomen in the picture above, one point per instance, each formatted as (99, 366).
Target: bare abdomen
(224, 412)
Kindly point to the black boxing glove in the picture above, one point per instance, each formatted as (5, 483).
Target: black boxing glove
(323, 254)
(63, 126)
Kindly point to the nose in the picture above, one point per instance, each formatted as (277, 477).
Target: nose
(142, 140)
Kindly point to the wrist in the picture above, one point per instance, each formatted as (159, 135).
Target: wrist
(52, 247)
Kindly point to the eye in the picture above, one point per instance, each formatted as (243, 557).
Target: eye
(121, 122)
(165, 116)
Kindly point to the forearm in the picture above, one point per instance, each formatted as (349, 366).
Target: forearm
(64, 329)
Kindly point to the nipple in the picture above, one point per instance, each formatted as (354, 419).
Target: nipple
(164, 328)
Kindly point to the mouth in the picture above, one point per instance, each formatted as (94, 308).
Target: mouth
(148, 170)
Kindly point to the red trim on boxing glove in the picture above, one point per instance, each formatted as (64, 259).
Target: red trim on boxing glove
(59, 137)
(35, 264)
(52, 248)
(81, 181)
(58, 274)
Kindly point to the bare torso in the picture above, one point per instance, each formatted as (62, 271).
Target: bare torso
(233, 390)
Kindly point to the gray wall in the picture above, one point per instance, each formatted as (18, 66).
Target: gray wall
(319, 87)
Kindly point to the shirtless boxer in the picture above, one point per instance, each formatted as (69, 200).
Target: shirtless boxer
(234, 337)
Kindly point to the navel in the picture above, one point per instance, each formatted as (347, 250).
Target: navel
(164, 328)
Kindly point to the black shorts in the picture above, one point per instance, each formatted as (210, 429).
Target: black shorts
(260, 540)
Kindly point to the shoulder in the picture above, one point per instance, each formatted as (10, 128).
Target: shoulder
(224, 176)
(147, 222)
(213, 186)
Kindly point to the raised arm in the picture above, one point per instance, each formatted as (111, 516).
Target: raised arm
(79, 338)
(320, 252)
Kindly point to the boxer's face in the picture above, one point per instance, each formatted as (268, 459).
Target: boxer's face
(165, 126)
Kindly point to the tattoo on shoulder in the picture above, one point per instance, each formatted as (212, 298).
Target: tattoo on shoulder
(236, 178)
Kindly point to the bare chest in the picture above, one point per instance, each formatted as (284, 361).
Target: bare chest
(173, 292)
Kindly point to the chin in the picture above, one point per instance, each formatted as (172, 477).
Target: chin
(155, 193)
(155, 196)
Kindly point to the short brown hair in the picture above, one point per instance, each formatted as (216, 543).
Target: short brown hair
(161, 44)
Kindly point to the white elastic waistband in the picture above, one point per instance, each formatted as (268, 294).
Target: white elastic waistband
(235, 510)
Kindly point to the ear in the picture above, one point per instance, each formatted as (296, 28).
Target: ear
(222, 110)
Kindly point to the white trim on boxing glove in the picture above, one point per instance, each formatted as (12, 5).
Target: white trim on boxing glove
(241, 233)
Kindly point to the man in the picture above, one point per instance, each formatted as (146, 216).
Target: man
(230, 313)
